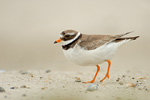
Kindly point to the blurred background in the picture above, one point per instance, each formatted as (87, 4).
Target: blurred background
(28, 29)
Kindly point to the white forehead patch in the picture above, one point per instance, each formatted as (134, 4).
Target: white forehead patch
(71, 33)
(61, 36)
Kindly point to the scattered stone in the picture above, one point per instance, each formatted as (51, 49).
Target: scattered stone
(47, 71)
(117, 80)
(123, 75)
(145, 88)
(77, 79)
(133, 78)
(23, 72)
(130, 84)
(121, 83)
(23, 86)
(24, 95)
(13, 87)
(41, 77)
(141, 78)
(92, 87)
(2, 89)
(43, 88)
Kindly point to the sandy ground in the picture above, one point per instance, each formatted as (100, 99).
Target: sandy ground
(28, 29)
(51, 85)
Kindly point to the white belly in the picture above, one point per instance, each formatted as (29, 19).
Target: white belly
(92, 57)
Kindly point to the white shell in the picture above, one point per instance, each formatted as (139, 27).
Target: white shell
(92, 87)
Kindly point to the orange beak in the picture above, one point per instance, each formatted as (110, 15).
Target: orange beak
(57, 41)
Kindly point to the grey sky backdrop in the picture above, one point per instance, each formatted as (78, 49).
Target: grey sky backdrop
(28, 29)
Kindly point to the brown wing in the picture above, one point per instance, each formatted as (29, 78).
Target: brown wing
(91, 42)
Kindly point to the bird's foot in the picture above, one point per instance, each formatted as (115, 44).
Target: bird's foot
(89, 81)
(107, 76)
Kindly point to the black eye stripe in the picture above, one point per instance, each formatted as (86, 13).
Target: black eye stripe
(67, 35)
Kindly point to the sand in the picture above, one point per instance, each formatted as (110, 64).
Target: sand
(28, 29)
(62, 85)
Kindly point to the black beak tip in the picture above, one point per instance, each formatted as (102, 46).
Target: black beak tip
(55, 42)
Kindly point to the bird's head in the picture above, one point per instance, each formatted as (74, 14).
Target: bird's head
(67, 37)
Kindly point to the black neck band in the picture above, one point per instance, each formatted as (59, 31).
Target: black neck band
(68, 46)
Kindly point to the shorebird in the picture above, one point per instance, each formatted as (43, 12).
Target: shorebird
(86, 50)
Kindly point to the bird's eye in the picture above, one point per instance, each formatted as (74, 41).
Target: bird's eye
(67, 35)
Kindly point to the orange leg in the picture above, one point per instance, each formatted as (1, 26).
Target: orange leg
(98, 69)
(107, 74)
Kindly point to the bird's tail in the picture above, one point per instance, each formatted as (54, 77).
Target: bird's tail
(126, 38)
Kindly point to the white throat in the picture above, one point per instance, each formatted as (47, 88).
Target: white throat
(69, 41)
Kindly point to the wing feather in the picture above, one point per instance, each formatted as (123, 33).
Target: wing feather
(91, 42)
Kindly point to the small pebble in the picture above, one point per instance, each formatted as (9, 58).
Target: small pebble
(130, 84)
(92, 87)
(41, 77)
(2, 89)
(117, 80)
(23, 86)
(43, 88)
(121, 83)
(141, 78)
(13, 87)
(123, 75)
(24, 95)
(77, 79)
(23, 72)
(144, 87)
(133, 78)
(47, 71)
